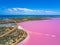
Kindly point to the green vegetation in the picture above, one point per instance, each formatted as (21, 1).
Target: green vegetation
(13, 37)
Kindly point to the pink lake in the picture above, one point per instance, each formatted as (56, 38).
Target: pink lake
(42, 32)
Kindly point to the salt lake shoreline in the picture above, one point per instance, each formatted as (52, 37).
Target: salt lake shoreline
(22, 42)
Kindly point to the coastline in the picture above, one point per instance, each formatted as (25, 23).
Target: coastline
(22, 42)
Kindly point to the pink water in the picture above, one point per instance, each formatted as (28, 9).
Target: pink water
(42, 32)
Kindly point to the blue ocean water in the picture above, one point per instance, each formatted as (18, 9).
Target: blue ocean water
(27, 16)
